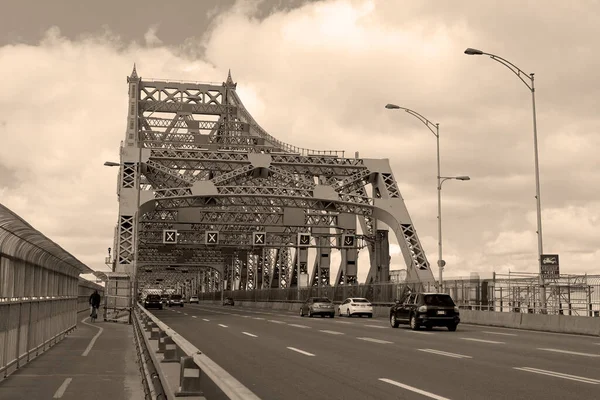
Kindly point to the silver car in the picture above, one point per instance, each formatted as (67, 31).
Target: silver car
(317, 306)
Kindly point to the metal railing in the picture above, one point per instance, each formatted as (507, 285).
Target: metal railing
(193, 363)
(565, 294)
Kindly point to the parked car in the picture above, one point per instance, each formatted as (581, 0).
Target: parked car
(153, 301)
(228, 301)
(355, 306)
(194, 299)
(426, 309)
(317, 306)
(176, 300)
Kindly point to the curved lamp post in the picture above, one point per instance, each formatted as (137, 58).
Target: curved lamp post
(530, 83)
(435, 129)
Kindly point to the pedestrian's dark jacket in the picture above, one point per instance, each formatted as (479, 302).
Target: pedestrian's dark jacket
(95, 300)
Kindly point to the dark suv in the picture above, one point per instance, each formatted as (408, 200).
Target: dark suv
(426, 309)
(153, 301)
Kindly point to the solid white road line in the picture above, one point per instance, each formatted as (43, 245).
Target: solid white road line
(482, 340)
(61, 390)
(444, 353)
(89, 347)
(332, 332)
(499, 333)
(376, 326)
(301, 351)
(204, 319)
(559, 375)
(373, 340)
(224, 326)
(299, 326)
(571, 352)
(249, 334)
(413, 389)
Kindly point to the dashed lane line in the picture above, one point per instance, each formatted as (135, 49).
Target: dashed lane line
(249, 334)
(499, 333)
(413, 389)
(299, 326)
(444, 353)
(332, 332)
(375, 326)
(374, 340)
(559, 375)
(204, 319)
(483, 341)
(576, 353)
(61, 390)
(306, 353)
(224, 326)
(276, 321)
(193, 316)
(96, 336)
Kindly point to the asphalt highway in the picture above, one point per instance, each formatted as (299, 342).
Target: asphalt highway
(280, 355)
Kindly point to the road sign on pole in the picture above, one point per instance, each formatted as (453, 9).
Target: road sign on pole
(259, 238)
(348, 240)
(169, 236)
(303, 239)
(211, 237)
(550, 265)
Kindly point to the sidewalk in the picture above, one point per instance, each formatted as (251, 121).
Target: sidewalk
(96, 361)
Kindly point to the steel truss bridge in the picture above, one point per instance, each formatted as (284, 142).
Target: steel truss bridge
(207, 197)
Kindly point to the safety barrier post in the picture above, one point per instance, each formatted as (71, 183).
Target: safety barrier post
(154, 333)
(161, 341)
(172, 352)
(189, 378)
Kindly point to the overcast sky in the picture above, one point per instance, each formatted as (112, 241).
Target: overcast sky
(318, 75)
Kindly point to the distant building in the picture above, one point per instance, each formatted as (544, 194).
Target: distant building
(397, 275)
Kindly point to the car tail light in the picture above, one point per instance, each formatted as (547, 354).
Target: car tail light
(456, 309)
(422, 309)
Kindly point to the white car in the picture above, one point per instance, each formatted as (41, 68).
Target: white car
(194, 299)
(355, 306)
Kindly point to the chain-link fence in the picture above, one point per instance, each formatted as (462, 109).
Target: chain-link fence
(567, 294)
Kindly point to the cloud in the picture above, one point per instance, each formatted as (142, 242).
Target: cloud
(318, 76)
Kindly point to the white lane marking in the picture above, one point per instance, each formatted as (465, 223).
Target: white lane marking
(559, 375)
(499, 333)
(249, 334)
(531, 331)
(185, 313)
(571, 352)
(61, 390)
(343, 322)
(224, 326)
(420, 332)
(193, 316)
(332, 332)
(444, 353)
(245, 316)
(259, 318)
(413, 389)
(306, 353)
(276, 322)
(89, 347)
(204, 319)
(373, 340)
(482, 340)
(299, 326)
(375, 326)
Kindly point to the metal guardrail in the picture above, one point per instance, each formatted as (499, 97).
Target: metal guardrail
(193, 362)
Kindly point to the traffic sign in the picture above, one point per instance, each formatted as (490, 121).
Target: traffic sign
(169, 236)
(550, 265)
(348, 240)
(303, 239)
(259, 238)
(211, 237)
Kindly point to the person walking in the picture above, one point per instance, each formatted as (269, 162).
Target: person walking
(95, 304)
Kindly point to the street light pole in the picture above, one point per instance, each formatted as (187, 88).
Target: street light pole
(430, 125)
(531, 86)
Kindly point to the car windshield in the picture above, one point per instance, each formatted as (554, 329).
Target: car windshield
(321, 300)
(438, 300)
(176, 297)
(360, 301)
(153, 297)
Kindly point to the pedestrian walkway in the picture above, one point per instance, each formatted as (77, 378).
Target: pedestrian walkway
(96, 361)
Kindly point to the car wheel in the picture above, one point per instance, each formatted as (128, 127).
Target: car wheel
(369, 315)
(452, 327)
(309, 313)
(339, 311)
(301, 312)
(393, 321)
(413, 323)
(348, 313)
(332, 315)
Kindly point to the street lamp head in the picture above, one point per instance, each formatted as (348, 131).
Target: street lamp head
(111, 164)
(392, 107)
(463, 178)
(473, 52)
